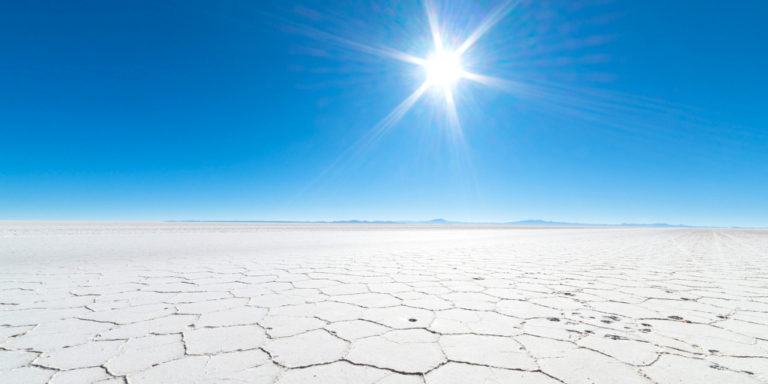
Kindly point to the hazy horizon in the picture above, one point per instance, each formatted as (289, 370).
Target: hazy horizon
(431, 222)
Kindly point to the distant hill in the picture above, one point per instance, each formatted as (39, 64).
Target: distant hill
(547, 223)
(657, 225)
(565, 224)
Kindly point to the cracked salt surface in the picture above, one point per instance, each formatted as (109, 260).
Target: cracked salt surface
(277, 303)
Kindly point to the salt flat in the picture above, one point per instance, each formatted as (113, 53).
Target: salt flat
(266, 303)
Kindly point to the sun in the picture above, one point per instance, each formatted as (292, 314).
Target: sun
(443, 69)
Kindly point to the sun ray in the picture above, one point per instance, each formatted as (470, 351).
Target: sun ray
(384, 52)
(490, 80)
(493, 18)
(459, 145)
(604, 109)
(506, 85)
(377, 50)
(434, 25)
(393, 117)
(453, 115)
(364, 144)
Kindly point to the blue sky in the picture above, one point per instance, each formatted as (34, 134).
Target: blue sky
(617, 111)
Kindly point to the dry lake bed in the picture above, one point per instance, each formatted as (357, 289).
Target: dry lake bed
(300, 303)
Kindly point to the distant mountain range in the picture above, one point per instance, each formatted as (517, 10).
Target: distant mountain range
(521, 223)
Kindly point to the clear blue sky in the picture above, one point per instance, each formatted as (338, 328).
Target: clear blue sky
(622, 111)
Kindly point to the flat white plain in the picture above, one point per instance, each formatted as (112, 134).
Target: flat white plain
(296, 303)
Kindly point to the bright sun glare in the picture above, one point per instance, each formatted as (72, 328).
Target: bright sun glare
(443, 69)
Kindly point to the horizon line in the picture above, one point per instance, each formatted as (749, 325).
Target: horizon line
(436, 222)
(440, 221)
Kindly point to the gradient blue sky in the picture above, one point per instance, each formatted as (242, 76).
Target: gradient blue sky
(628, 111)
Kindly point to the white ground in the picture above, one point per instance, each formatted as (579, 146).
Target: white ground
(258, 303)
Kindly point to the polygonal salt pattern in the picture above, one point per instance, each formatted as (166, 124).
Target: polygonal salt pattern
(272, 303)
